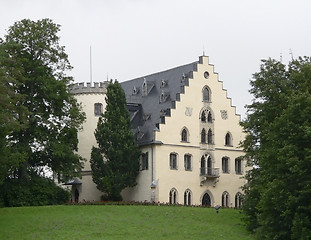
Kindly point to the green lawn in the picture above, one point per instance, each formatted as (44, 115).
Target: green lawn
(121, 222)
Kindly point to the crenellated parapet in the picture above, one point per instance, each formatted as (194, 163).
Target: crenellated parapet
(88, 88)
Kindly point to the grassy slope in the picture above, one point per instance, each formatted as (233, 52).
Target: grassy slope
(120, 222)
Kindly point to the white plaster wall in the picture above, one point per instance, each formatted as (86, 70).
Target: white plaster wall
(88, 190)
(169, 134)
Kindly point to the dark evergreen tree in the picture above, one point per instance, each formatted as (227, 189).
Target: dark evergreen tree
(47, 117)
(277, 202)
(115, 162)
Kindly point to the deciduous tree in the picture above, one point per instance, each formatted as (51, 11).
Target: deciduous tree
(277, 200)
(42, 116)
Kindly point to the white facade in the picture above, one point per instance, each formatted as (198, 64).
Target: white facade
(183, 165)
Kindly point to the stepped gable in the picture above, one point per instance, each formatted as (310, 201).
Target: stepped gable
(81, 88)
(150, 99)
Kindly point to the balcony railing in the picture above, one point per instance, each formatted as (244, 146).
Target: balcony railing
(210, 172)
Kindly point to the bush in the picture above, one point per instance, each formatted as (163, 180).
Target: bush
(37, 191)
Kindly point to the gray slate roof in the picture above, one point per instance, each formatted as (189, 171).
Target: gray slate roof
(151, 98)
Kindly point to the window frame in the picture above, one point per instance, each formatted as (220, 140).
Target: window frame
(206, 94)
(238, 166)
(98, 109)
(225, 165)
(173, 196)
(173, 160)
(188, 197)
(188, 162)
(184, 135)
(228, 139)
(144, 161)
(225, 199)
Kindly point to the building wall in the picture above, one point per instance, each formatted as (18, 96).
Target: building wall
(170, 136)
(88, 96)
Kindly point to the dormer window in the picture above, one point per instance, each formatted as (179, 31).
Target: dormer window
(144, 89)
(163, 97)
(163, 83)
(135, 90)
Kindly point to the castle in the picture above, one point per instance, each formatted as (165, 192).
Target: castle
(188, 132)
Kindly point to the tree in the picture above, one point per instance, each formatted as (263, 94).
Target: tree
(115, 162)
(277, 202)
(43, 117)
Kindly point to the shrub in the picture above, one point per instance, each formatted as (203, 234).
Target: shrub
(37, 191)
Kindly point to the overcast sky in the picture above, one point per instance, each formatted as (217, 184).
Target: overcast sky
(133, 38)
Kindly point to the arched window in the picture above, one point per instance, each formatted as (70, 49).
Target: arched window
(238, 200)
(206, 116)
(184, 135)
(206, 94)
(173, 196)
(210, 136)
(203, 136)
(203, 117)
(187, 197)
(228, 139)
(206, 165)
(225, 199)
(209, 117)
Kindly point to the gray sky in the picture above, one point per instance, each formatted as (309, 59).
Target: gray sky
(132, 38)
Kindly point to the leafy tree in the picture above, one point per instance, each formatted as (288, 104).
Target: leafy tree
(42, 117)
(115, 162)
(277, 200)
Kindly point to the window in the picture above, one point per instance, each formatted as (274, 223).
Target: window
(206, 74)
(206, 116)
(173, 196)
(206, 165)
(203, 117)
(209, 117)
(98, 109)
(238, 166)
(173, 161)
(184, 135)
(144, 161)
(187, 197)
(238, 200)
(210, 137)
(225, 199)
(144, 88)
(187, 162)
(225, 165)
(203, 136)
(228, 139)
(206, 94)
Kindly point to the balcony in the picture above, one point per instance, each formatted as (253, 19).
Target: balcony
(209, 172)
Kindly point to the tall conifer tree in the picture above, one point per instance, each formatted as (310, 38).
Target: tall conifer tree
(115, 162)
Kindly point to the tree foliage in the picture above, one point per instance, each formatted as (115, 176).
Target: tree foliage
(41, 116)
(115, 162)
(277, 202)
